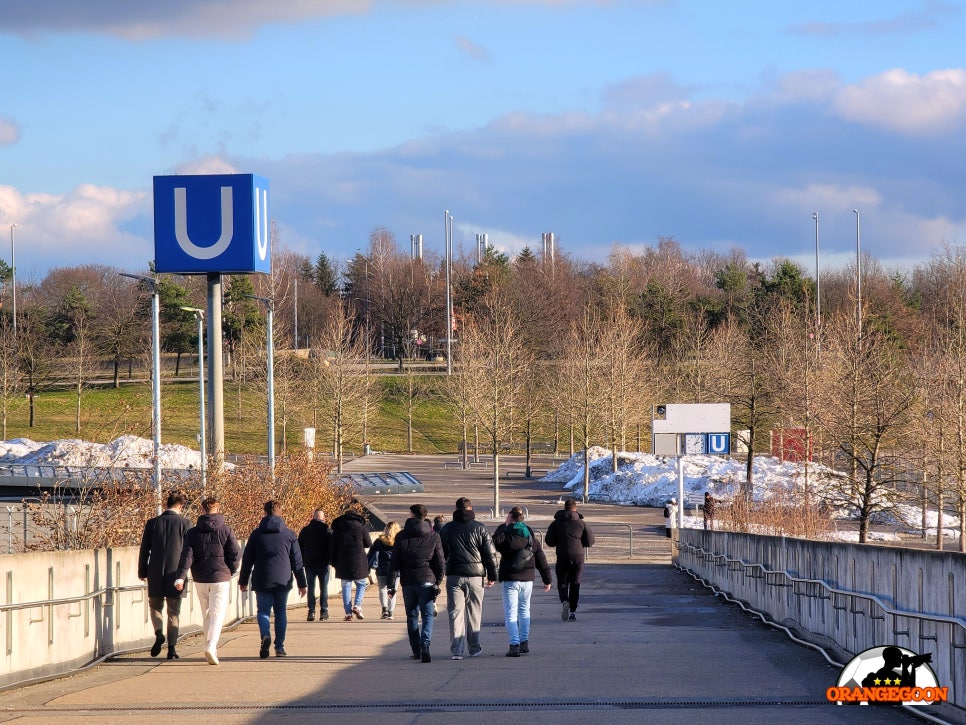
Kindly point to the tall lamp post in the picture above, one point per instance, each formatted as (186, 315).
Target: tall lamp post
(13, 277)
(155, 377)
(858, 276)
(818, 293)
(271, 383)
(200, 318)
(448, 240)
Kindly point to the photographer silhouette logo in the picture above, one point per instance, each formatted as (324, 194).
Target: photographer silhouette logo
(888, 675)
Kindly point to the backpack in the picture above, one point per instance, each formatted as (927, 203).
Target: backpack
(667, 512)
(522, 559)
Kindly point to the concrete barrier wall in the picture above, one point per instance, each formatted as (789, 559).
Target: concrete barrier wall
(58, 637)
(904, 580)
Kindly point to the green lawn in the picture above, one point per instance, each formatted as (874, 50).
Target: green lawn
(107, 413)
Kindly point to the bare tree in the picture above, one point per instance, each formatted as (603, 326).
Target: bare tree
(493, 360)
(343, 382)
(11, 377)
(584, 376)
(870, 404)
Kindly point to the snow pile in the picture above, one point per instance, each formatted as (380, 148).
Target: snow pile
(123, 452)
(643, 479)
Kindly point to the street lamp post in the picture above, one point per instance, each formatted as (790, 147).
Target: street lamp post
(858, 276)
(155, 377)
(448, 240)
(13, 278)
(200, 317)
(818, 293)
(271, 382)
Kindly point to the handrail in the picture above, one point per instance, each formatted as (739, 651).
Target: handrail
(73, 600)
(697, 550)
(630, 536)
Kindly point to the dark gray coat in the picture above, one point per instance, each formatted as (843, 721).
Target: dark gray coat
(161, 545)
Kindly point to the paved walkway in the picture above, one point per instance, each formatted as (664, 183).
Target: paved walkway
(649, 645)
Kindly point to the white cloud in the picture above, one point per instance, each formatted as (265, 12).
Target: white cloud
(80, 227)
(208, 165)
(905, 102)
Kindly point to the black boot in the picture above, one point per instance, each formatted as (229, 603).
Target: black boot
(172, 653)
(424, 656)
(158, 642)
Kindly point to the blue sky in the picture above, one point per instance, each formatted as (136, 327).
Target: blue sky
(723, 125)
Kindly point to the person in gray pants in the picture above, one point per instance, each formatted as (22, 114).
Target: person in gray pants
(470, 557)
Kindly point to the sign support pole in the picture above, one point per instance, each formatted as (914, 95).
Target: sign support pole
(216, 375)
(680, 492)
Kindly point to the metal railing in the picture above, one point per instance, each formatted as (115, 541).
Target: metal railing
(813, 588)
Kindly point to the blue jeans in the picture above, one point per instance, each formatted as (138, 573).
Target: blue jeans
(347, 601)
(516, 610)
(311, 575)
(418, 599)
(265, 602)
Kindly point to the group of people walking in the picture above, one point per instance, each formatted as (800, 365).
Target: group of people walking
(419, 558)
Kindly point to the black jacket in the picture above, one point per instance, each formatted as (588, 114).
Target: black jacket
(161, 545)
(417, 555)
(512, 542)
(380, 557)
(273, 552)
(211, 551)
(468, 547)
(570, 535)
(314, 542)
(348, 545)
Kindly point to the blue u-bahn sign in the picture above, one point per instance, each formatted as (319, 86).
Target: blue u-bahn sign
(213, 223)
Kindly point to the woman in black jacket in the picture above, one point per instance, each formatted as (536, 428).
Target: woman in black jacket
(520, 554)
(348, 545)
(273, 553)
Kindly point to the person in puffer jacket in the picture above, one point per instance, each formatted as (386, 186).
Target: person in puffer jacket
(212, 553)
(570, 535)
(348, 545)
(270, 559)
(470, 559)
(417, 558)
(520, 554)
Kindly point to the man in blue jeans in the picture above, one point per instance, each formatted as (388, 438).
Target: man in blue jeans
(417, 558)
(273, 553)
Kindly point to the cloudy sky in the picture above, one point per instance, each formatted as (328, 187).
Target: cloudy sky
(721, 124)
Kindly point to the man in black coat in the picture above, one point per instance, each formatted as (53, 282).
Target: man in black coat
(314, 542)
(271, 557)
(212, 553)
(570, 535)
(348, 544)
(470, 557)
(417, 558)
(161, 545)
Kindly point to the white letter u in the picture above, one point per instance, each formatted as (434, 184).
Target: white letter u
(181, 225)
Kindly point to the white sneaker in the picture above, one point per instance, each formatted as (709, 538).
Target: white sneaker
(211, 656)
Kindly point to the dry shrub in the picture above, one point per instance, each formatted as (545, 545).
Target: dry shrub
(103, 513)
(302, 484)
(775, 517)
(99, 513)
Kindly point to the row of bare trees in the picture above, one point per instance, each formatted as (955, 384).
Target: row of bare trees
(574, 353)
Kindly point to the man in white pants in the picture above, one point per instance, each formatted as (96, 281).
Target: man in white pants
(212, 553)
